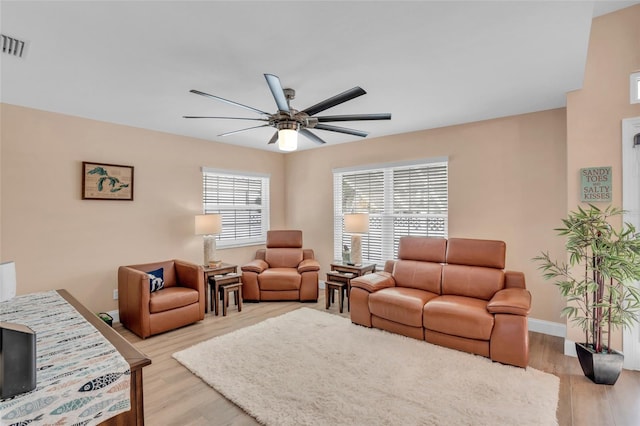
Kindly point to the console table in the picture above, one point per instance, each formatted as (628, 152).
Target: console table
(84, 410)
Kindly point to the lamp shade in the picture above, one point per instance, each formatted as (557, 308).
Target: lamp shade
(287, 139)
(208, 224)
(356, 223)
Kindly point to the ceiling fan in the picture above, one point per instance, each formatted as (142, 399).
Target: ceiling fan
(289, 122)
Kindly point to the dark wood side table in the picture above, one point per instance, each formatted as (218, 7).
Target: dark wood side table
(341, 273)
(224, 269)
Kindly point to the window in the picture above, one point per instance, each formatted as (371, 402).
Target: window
(401, 199)
(243, 201)
(635, 88)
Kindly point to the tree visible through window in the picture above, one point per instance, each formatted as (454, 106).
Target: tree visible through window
(243, 201)
(405, 199)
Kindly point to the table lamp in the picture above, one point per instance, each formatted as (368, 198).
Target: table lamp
(208, 225)
(356, 224)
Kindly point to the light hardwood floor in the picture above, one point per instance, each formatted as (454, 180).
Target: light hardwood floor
(174, 396)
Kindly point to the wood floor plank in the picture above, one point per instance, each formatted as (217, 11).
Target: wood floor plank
(174, 396)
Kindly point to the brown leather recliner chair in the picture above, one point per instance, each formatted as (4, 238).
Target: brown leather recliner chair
(282, 271)
(179, 301)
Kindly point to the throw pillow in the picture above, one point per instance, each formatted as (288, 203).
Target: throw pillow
(156, 279)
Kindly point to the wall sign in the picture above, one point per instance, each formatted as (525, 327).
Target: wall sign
(595, 184)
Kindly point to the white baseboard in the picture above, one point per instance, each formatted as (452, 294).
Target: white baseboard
(547, 327)
(554, 329)
(115, 315)
(570, 348)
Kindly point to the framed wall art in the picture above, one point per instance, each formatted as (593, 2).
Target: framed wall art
(107, 182)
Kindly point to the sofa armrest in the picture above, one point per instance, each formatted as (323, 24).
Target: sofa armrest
(374, 282)
(514, 279)
(308, 265)
(189, 275)
(515, 301)
(256, 265)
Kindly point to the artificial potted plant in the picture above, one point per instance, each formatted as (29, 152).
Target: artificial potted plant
(599, 285)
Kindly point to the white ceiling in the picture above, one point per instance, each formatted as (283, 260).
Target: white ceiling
(430, 64)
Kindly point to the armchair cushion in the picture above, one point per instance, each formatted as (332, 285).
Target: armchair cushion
(279, 279)
(172, 298)
(283, 257)
(156, 280)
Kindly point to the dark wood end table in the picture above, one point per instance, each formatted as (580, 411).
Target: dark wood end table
(226, 273)
(339, 278)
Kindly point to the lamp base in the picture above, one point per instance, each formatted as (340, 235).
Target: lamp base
(209, 249)
(356, 249)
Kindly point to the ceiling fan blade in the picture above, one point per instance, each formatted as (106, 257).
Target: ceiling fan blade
(243, 130)
(197, 92)
(341, 130)
(354, 117)
(273, 139)
(226, 118)
(335, 100)
(311, 136)
(278, 94)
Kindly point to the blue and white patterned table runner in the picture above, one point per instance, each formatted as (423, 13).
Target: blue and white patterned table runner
(81, 378)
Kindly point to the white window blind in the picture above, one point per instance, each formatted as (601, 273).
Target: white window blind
(400, 199)
(243, 201)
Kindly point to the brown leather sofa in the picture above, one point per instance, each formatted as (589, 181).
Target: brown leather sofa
(453, 293)
(281, 271)
(180, 302)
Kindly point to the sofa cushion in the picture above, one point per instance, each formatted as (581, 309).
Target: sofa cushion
(172, 298)
(425, 249)
(421, 275)
(471, 281)
(400, 304)
(283, 257)
(279, 279)
(472, 252)
(459, 316)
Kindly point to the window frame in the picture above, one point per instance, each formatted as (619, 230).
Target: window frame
(389, 240)
(634, 88)
(264, 207)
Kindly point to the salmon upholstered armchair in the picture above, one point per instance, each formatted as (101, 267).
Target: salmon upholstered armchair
(281, 271)
(158, 297)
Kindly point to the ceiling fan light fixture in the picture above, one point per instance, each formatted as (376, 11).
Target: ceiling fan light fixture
(288, 136)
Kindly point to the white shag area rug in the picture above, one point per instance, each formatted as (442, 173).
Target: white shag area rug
(308, 367)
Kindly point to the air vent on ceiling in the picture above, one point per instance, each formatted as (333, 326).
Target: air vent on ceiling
(12, 46)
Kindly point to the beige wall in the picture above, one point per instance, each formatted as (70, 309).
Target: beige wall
(59, 240)
(595, 113)
(506, 181)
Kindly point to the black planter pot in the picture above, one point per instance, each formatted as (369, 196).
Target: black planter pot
(601, 368)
